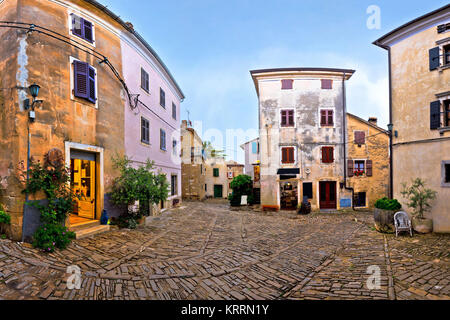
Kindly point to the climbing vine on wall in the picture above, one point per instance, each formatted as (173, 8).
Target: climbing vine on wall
(53, 181)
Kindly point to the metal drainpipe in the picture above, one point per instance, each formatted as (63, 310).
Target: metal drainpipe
(391, 139)
(344, 107)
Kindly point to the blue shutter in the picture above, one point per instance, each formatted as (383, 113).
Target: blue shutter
(435, 115)
(77, 26)
(88, 31)
(81, 85)
(92, 96)
(434, 58)
(255, 147)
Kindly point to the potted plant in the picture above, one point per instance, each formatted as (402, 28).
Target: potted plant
(242, 185)
(419, 198)
(384, 212)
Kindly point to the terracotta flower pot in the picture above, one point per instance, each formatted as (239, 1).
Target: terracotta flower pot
(384, 220)
(422, 226)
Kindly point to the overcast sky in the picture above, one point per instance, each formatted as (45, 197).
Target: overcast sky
(210, 46)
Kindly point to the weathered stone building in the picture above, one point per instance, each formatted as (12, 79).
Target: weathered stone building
(252, 156)
(302, 136)
(419, 64)
(368, 161)
(193, 164)
(73, 51)
(216, 180)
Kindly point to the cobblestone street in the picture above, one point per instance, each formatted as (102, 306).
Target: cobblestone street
(206, 251)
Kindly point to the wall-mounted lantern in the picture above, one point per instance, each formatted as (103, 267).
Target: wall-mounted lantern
(34, 91)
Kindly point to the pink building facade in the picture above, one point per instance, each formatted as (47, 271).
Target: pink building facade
(152, 128)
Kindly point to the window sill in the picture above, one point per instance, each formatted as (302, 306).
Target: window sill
(443, 129)
(442, 68)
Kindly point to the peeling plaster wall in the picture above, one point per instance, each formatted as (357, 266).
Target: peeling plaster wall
(414, 87)
(307, 98)
(46, 61)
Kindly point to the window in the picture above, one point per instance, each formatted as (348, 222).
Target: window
(145, 82)
(174, 147)
(446, 174)
(216, 172)
(82, 28)
(206, 188)
(174, 185)
(162, 140)
(287, 84)
(174, 111)
(360, 200)
(327, 84)
(287, 118)
(288, 155)
(354, 168)
(145, 131)
(443, 28)
(326, 118)
(84, 81)
(360, 167)
(327, 154)
(308, 190)
(162, 98)
(436, 121)
(230, 175)
(447, 54)
(360, 138)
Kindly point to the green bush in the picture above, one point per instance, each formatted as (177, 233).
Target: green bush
(141, 184)
(388, 204)
(125, 222)
(242, 185)
(51, 236)
(5, 220)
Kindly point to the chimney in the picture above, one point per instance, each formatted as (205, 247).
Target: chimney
(373, 120)
(130, 25)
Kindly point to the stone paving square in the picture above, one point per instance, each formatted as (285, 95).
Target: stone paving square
(207, 251)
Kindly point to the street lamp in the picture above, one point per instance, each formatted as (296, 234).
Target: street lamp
(34, 90)
(390, 127)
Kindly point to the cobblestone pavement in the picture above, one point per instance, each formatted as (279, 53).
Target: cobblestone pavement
(207, 251)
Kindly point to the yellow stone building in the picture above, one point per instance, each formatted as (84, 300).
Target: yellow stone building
(419, 62)
(368, 161)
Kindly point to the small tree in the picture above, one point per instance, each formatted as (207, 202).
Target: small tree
(140, 184)
(419, 197)
(5, 220)
(242, 186)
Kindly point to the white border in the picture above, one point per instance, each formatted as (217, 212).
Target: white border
(70, 24)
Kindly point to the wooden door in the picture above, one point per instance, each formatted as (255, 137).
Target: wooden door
(83, 184)
(218, 191)
(328, 195)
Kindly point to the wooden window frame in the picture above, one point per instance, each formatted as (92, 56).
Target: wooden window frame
(287, 115)
(328, 113)
(286, 157)
(162, 98)
(326, 155)
(326, 84)
(162, 140)
(144, 120)
(145, 83)
(356, 140)
(287, 84)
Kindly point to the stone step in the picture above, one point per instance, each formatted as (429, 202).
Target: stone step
(89, 232)
(84, 225)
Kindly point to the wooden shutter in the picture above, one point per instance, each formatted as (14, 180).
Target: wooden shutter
(330, 120)
(81, 81)
(290, 118)
(435, 115)
(162, 98)
(92, 94)
(291, 157)
(287, 84)
(327, 84)
(369, 169)
(284, 155)
(434, 58)
(77, 26)
(88, 31)
(283, 118)
(350, 168)
(324, 155)
(360, 137)
(327, 154)
(323, 117)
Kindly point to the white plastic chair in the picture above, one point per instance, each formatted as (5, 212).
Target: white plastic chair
(402, 223)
